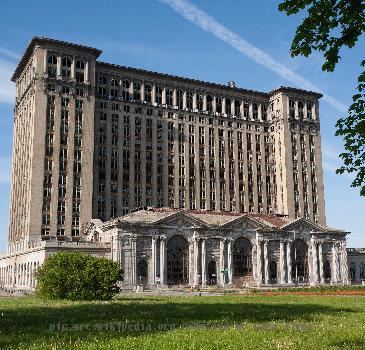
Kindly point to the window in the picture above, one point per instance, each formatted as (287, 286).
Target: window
(189, 100)
(228, 106)
(219, 104)
(169, 93)
(158, 97)
(137, 91)
(148, 93)
(52, 66)
(80, 66)
(125, 94)
(66, 68)
(209, 104)
(199, 102)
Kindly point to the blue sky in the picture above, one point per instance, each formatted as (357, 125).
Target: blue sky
(152, 35)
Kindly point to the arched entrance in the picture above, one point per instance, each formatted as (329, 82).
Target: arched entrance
(242, 259)
(273, 271)
(142, 271)
(299, 257)
(327, 271)
(177, 260)
(212, 272)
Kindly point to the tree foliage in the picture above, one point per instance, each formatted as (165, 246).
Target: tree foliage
(78, 276)
(329, 26)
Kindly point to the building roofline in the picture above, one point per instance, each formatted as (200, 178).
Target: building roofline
(295, 90)
(43, 40)
(180, 79)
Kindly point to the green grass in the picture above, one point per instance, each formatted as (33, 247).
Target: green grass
(222, 322)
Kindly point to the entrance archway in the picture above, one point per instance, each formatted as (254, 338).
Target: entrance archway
(212, 272)
(327, 271)
(177, 260)
(242, 258)
(273, 271)
(142, 271)
(299, 256)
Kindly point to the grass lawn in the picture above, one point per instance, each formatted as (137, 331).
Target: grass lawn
(219, 322)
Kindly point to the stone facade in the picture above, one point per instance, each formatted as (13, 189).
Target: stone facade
(176, 246)
(94, 141)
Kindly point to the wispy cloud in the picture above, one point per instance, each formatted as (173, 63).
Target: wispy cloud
(9, 53)
(193, 14)
(5, 170)
(7, 88)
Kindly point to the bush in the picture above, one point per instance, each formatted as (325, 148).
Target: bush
(78, 276)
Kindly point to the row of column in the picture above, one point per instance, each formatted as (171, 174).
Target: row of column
(339, 270)
(19, 275)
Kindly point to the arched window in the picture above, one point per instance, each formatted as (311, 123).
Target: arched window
(80, 75)
(66, 68)
(189, 99)
(125, 93)
(299, 256)
(177, 260)
(242, 258)
(52, 66)
(148, 93)
(158, 94)
(228, 107)
(218, 105)
(199, 102)
(137, 91)
(210, 104)
(169, 94)
(179, 99)
(237, 108)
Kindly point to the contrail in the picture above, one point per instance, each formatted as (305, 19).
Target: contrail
(193, 14)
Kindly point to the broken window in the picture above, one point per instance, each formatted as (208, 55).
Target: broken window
(66, 68)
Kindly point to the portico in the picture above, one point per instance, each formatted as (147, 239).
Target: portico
(200, 248)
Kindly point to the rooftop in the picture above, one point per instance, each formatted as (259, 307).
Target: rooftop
(96, 52)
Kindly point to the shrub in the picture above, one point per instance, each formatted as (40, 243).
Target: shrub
(78, 276)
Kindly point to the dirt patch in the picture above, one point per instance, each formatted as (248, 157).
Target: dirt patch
(325, 293)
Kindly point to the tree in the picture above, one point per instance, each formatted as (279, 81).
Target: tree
(329, 26)
(78, 276)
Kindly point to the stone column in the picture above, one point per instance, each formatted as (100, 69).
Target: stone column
(221, 261)
(86, 72)
(282, 263)
(59, 63)
(335, 266)
(73, 68)
(162, 260)
(230, 265)
(45, 61)
(320, 253)
(153, 260)
(191, 262)
(344, 263)
(314, 276)
(196, 255)
(133, 261)
(259, 263)
(288, 262)
(204, 272)
(266, 262)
